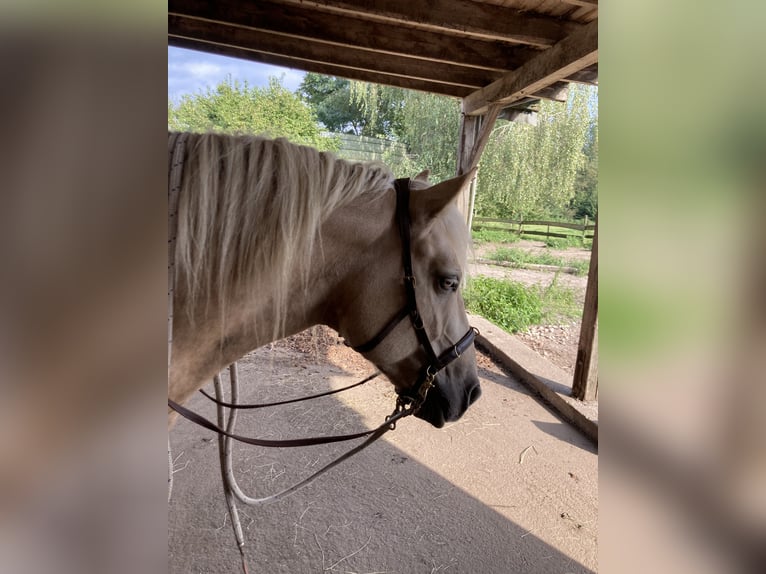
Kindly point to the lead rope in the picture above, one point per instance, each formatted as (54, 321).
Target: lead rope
(225, 440)
(232, 490)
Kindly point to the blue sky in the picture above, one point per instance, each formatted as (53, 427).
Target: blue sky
(190, 71)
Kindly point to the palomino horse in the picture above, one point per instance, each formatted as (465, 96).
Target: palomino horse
(273, 238)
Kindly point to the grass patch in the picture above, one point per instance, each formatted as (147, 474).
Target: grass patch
(508, 304)
(521, 257)
(514, 306)
(563, 243)
(493, 236)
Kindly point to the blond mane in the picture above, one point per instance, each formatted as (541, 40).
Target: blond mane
(250, 209)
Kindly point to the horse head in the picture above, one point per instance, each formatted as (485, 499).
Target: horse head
(386, 303)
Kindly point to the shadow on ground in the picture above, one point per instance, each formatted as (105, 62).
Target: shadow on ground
(471, 498)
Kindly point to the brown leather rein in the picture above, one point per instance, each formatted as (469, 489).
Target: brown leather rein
(407, 403)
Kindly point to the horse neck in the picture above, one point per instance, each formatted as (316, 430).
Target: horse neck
(342, 254)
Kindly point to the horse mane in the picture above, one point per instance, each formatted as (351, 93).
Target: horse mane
(249, 212)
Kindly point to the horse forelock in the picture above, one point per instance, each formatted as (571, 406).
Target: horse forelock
(249, 211)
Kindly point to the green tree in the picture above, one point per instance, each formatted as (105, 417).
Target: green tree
(585, 201)
(330, 98)
(235, 107)
(429, 127)
(381, 108)
(531, 171)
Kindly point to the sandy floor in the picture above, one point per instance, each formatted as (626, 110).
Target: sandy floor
(509, 488)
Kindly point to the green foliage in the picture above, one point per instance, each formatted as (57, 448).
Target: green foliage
(585, 201)
(427, 124)
(508, 304)
(235, 107)
(560, 303)
(514, 306)
(563, 242)
(531, 171)
(381, 108)
(330, 98)
(430, 128)
(487, 235)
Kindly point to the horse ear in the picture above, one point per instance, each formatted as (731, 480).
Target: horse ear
(428, 203)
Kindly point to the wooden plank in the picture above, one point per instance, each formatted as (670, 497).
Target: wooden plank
(320, 68)
(485, 130)
(476, 18)
(339, 30)
(588, 76)
(312, 51)
(469, 126)
(572, 54)
(585, 381)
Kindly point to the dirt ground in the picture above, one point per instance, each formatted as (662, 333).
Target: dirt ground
(557, 343)
(509, 488)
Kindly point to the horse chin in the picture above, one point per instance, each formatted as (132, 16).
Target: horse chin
(438, 409)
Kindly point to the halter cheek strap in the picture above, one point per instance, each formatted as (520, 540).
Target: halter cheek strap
(435, 363)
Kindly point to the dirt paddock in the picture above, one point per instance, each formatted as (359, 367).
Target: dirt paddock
(510, 488)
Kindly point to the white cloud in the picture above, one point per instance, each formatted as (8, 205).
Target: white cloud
(190, 72)
(202, 69)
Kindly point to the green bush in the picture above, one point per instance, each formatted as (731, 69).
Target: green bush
(514, 306)
(508, 304)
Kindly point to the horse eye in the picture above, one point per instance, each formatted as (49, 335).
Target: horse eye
(449, 283)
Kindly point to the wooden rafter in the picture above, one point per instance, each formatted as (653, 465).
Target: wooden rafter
(312, 51)
(323, 68)
(572, 54)
(303, 23)
(478, 19)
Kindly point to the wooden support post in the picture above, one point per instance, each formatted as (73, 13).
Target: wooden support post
(474, 135)
(469, 127)
(585, 381)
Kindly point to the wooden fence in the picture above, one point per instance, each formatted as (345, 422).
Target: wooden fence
(534, 227)
(362, 148)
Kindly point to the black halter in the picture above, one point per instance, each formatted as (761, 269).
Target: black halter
(435, 363)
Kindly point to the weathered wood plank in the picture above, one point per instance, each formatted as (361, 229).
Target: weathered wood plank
(574, 53)
(312, 51)
(321, 68)
(469, 127)
(301, 22)
(482, 20)
(585, 381)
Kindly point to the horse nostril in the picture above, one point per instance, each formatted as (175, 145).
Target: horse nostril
(474, 394)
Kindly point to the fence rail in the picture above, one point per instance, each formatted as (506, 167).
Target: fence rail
(523, 227)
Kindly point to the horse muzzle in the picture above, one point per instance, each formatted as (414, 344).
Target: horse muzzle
(444, 404)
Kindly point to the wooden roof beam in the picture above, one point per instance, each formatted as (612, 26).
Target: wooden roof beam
(475, 18)
(299, 22)
(312, 51)
(572, 54)
(321, 67)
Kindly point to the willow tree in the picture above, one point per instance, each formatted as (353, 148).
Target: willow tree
(427, 124)
(531, 170)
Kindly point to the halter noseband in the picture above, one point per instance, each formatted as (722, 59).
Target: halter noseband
(435, 363)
